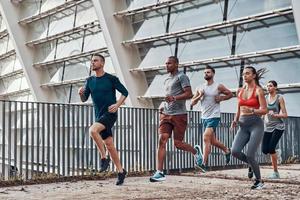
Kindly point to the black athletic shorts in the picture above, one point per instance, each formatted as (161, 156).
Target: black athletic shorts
(108, 120)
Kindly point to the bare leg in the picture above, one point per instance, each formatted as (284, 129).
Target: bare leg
(274, 162)
(161, 151)
(207, 139)
(113, 153)
(95, 129)
(219, 144)
(184, 146)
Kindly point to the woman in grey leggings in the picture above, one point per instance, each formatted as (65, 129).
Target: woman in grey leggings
(251, 106)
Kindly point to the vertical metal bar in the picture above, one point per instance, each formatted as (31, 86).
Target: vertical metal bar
(148, 145)
(73, 140)
(121, 149)
(90, 72)
(155, 139)
(48, 25)
(153, 130)
(63, 71)
(69, 114)
(16, 137)
(53, 138)
(9, 139)
(225, 10)
(137, 136)
(43, 137)
(132, 139)
(70, 93)
(55, 49)
(78, 142)
(21, 139)
(233, 44)
(38, 138)
(168, 19)
(27, 139)
(7, 44)
(40, 6)
(87, 151)
(3, 139)
(63, 136)
(82, 140)
(127, 141)
(32, 139)
(93, 162)
(48, 136)
(75, 16)
(116, 135)
(83, 40)
(241, 73)
(142, 138)
(58, 140)
(176, 47)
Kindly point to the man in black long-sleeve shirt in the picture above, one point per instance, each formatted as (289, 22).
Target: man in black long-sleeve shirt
(102, 88)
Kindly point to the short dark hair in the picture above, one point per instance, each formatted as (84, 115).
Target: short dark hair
(174, 58)
(274, 83)
(99, 55)
(209, 67)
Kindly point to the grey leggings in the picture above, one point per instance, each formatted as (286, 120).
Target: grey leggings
(251, 132)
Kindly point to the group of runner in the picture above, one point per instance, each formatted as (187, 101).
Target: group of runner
(259, 117)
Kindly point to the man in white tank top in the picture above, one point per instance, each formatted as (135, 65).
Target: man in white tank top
(211, 94)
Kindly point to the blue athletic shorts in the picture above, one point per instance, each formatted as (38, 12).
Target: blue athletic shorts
(211, 123)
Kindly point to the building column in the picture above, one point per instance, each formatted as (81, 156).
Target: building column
(123, 58)
(296, 12)
(35, 77)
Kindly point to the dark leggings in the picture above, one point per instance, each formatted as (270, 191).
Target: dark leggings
(270, 141)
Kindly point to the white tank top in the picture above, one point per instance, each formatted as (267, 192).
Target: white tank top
(209, 107)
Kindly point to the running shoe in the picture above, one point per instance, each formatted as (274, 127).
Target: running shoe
(198, 157)
(274, 175)
(104, 164)
(257, 185)
(121, 177)
(202, 167)
(250, 173)
(158, 177)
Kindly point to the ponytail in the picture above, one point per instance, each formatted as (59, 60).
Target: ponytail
(258, 74)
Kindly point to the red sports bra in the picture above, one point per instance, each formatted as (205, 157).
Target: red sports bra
(251, 102)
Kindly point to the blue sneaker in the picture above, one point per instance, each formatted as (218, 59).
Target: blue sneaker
(158, 177)
(203, 168)
(198, 157)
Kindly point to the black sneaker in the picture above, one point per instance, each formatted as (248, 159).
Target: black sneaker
(227, 157)
(250, 173)
(104, 164)
(257, 185)
(121, 177)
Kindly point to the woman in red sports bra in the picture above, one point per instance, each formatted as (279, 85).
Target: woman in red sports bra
(251, 106)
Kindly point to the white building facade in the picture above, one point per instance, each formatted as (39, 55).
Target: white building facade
(46, 45)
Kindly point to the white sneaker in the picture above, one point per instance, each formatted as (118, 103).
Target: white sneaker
(274, 175)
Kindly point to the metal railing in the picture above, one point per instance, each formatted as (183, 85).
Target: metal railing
(53, 139)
